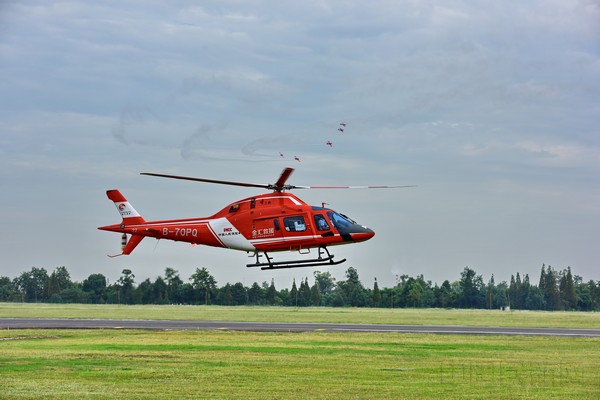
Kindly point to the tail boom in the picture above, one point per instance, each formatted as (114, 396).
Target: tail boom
(214, 232)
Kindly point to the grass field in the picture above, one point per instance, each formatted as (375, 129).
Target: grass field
(132, 364)
(310, 314)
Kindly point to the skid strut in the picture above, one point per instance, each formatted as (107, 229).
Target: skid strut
(315, 262)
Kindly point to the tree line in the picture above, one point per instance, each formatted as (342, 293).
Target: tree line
(556, 290)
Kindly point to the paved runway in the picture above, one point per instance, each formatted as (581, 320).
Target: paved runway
(58, 323)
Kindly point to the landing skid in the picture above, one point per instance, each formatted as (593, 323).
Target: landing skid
(315, 262)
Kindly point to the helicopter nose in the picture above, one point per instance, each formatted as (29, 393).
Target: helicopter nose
(356, 233)
(364, 234)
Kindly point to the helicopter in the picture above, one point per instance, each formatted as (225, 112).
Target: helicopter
(269, 222)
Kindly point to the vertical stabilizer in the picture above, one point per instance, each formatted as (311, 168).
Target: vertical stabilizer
(128, 213)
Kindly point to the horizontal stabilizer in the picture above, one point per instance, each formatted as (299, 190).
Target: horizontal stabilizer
(132, 243)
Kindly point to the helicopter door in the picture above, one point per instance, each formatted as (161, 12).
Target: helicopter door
(266, 228)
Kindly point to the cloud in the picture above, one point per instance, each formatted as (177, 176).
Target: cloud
(562, 154)
(476, 103)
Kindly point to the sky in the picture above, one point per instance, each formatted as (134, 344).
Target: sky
(490, 108)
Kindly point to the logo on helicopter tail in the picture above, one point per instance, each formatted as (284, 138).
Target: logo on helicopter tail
(124, 210)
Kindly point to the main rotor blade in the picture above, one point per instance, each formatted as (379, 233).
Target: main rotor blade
(285, 174)
(278, 186)
(187, 178)
(353, 187)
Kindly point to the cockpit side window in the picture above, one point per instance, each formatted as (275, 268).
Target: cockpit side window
(321, 223)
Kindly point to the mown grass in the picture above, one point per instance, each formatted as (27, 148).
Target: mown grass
(130, 364)
(311, 314)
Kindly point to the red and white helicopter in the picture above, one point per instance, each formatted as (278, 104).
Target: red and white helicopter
(270, 222)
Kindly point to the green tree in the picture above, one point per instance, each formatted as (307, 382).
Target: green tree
(144, 292)
(315, 295)
(174, 283)
(445, 298)
(353, 290)
(524, 292)
(239, 294)
(415, 294)
(95, 288)
(339, 300)
(58, 281)
(74, 294)
(204, 284)
(568, 294)
(584, 295)
(470, 289)
(301, 302)
(293, 297)
(40, 278)
(283, 297)
(549, 289)
(305, 293)
(8, 291)
(376, 295)
(225, 296)
(535, 299)
(325, 281)
(256, 294)
(125, 287)
(160, 291)
(490, 293)
(542, 278)
(594, 288)
(518, 293)
(32, 284)
(501, 298)
(512, 293)
(187, 294)
(271, 295)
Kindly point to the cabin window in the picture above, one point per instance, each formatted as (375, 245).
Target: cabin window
(321, 223)
(276, 224)
(252, 203)
(294, 224)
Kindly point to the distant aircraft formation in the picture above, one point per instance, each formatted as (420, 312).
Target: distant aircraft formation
(329, 143)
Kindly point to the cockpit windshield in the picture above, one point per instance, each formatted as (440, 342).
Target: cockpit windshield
(339, 221)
